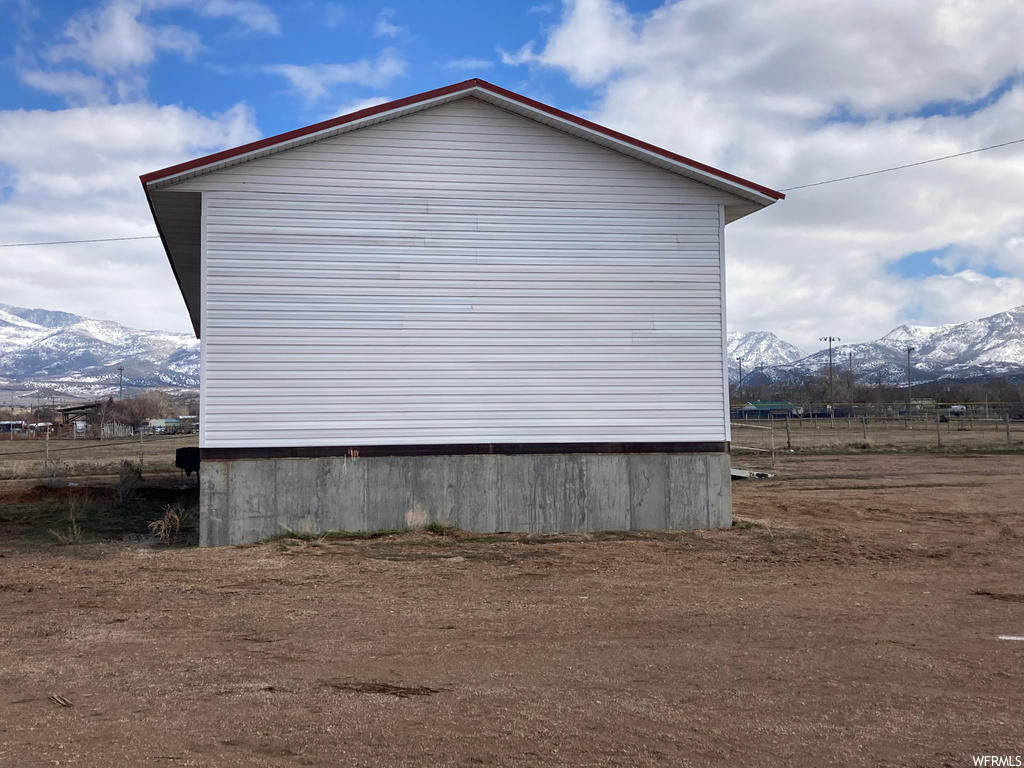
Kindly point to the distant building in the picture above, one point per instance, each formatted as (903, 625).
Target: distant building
(161, 426)
(86, 413)
(763, 409)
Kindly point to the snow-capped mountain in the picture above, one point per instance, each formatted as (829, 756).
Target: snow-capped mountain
(990, 346)
(759, 348)
(59, 353)
(80, 356)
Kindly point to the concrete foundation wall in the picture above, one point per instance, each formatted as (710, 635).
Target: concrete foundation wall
(245, 500)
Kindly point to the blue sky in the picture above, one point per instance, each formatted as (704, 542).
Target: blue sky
(782, 92)
(391, 50)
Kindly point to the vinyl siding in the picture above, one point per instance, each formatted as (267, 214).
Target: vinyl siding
(459, 275)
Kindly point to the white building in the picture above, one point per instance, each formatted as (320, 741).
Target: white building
(513, 317)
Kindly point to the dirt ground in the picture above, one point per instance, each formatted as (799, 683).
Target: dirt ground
(851, 618)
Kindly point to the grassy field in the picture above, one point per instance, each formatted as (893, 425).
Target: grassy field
(29, 457)
(87, 491)
(39, 517)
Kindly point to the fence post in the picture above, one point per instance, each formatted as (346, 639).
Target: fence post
(789, 440)
(1007, 417)
(938, 428)
(864, 426)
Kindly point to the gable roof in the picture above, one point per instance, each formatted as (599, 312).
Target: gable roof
(178, 213)
(489, 92)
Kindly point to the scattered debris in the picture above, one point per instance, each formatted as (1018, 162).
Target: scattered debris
(58, 699)
(749, 474)
(401, 691)
(1007, 597)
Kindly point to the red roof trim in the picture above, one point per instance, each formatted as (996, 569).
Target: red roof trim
(554, 111)
(298, 133)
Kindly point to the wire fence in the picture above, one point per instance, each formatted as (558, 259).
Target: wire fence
(918, 431)
(45, 456)
(925, 409)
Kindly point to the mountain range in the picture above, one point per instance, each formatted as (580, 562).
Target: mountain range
(989, 346)
(47, 353)
(58, 354)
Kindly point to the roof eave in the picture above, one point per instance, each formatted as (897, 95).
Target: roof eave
(170, 259)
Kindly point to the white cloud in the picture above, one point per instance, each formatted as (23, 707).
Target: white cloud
(104, 50)
(73, 174)
(524, 55)
(469, 63)
(176, 40)
(77, 88)
(967, 295)
(355, 106)
(799, 57)
(755, 89)
(333, 15)
(315, 81)
(256, 17)
(111, 39)
(595, 39)
(384, 28)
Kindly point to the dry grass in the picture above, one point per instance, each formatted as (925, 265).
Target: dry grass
(167, 528)
(25, 457)
(72, 534)
(848, 436)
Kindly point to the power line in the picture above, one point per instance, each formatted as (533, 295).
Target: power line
(784, 189)
(901, 167)
(73, 242)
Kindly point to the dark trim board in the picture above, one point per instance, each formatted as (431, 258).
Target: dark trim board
(463, 449)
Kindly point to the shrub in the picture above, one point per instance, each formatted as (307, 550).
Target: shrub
(129, 480)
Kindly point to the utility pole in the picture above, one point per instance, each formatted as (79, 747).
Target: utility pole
(910, 401)
(739, 384)
(831, 381)
(851, 372)
(761, 382)
(120, 382)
